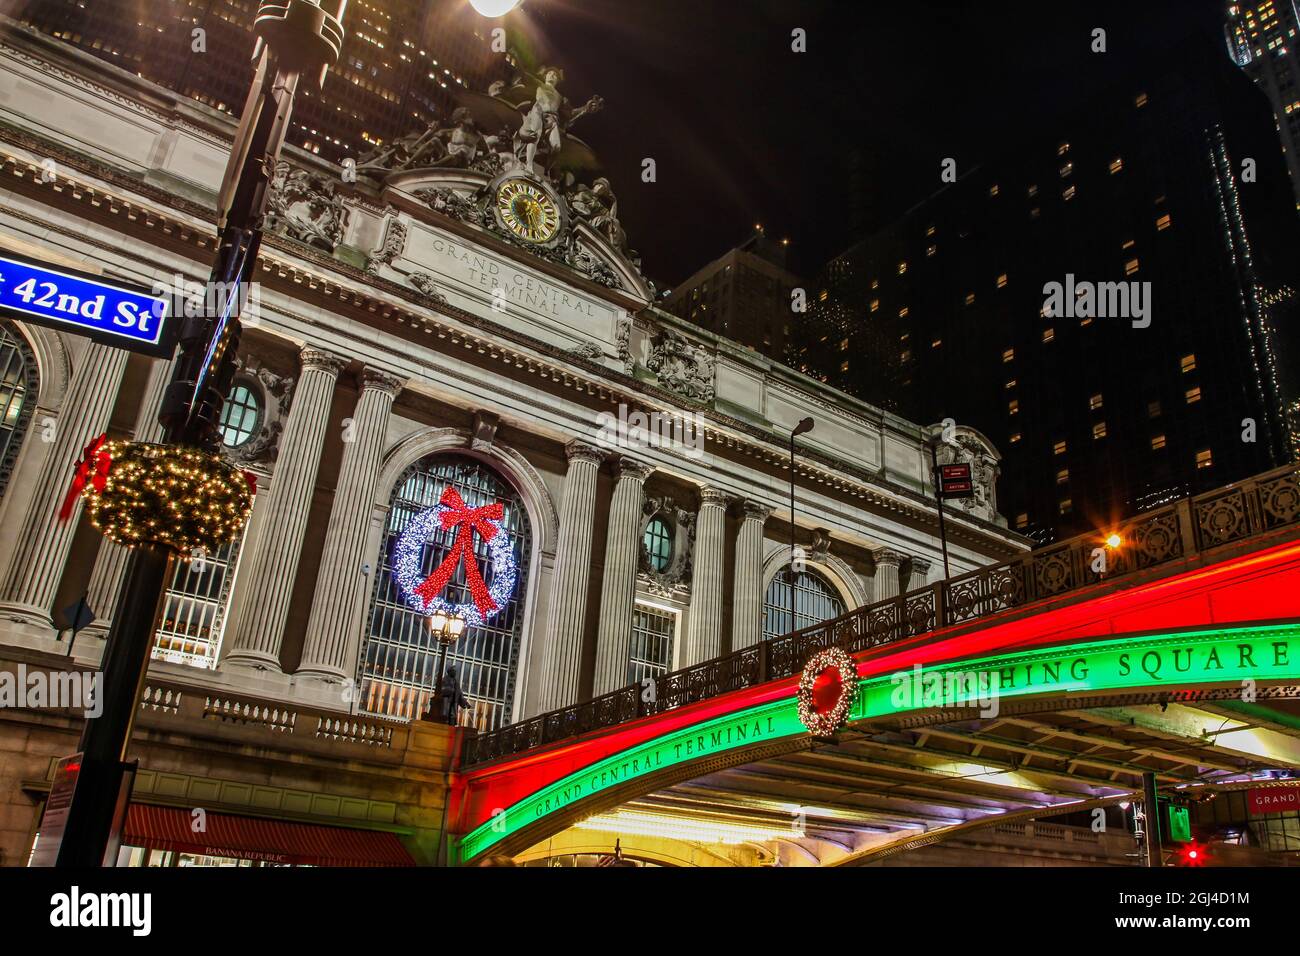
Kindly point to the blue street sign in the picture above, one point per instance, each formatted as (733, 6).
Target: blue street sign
(111, 312)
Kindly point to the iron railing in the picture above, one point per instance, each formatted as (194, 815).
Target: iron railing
(1170, 533)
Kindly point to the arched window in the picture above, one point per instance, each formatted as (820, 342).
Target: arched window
(397, 673)
(18, 385)
(814, 600)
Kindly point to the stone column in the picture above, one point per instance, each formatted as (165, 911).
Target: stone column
(564, 619)
(618, 587)
(41, 549)
(920, 574)
(888, 562)
(334, 629)
(704, 640)
(747, 594)
(273, 564)
(110, 565)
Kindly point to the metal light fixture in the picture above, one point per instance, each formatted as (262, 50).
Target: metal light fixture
(805, 425)
(697, 829)
(447, 629)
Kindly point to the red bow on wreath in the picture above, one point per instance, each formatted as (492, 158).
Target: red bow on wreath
(92, 467)
(468, 521)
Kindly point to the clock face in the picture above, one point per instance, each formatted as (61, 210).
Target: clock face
(528, 211)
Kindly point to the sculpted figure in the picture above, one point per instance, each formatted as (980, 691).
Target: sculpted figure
(549, 118)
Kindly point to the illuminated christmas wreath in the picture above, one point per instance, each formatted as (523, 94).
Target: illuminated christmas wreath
(826, 691)
(186, 499)
(423, 592)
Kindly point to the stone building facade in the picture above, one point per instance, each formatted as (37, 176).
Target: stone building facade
(406, 339)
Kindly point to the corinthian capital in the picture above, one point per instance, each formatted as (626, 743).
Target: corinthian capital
(381, 381)
(888, 557)
(633, 469)
(577, 451)
(321, 360)
(710, 496)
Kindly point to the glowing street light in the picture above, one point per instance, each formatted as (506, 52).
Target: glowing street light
(446, 629)
(494, 8)
(1114, 540)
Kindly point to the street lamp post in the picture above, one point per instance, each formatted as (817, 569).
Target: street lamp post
(935, 439)
(805, 425)
(293, 37)
(447, 629)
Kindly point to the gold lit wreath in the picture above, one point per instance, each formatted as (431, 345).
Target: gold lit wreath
(182, 498)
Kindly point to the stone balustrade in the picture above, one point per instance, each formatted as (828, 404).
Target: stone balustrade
(276, 717)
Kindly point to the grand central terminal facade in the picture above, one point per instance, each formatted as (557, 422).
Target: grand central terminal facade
(433, 337)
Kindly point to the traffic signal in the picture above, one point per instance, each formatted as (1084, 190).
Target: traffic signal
(1191, 854)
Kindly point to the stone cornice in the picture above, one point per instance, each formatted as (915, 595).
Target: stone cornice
(381, 298)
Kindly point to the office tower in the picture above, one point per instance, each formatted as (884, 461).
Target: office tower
(1161, 200)
(744, 295)
(403, 61)
(1262, 41)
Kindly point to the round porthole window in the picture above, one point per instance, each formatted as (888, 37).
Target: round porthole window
(240, 416)
(659, 544)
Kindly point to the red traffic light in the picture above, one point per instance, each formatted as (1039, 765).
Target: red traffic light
(1193, 854)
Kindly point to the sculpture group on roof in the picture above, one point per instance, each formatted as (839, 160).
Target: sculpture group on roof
(533, 122)
(532, 119)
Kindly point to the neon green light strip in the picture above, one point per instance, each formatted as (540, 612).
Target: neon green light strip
(1199, 657)
(1216, 656)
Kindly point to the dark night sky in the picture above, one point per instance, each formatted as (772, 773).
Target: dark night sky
(743, 130)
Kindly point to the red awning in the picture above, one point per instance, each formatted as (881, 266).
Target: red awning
(254, 838)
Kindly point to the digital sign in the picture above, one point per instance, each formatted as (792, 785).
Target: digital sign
(108, 311)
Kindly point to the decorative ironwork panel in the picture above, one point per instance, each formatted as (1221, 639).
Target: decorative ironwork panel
(985, 592)
(1156, 538)
(1055, 571)
(884, 622)
(1279, 500)
(1221, 518)
(919, 611)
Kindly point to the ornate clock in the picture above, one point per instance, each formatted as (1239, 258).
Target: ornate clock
(528, 210)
